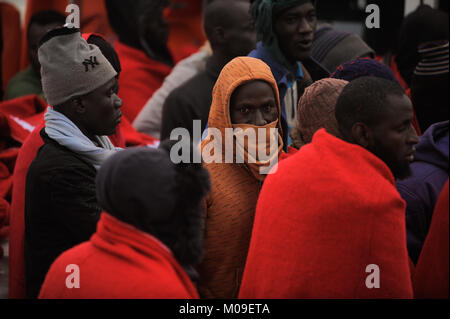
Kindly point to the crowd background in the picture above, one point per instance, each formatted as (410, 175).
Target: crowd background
(340, 23)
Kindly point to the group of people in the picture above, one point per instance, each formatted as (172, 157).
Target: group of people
(339, 180)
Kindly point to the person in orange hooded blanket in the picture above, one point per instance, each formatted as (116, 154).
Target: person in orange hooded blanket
(147, 238)
(331, 223)
(245, 101)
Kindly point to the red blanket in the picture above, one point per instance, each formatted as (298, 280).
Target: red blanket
(119, 261)
(431, 276)
(17, 220)
(18, 117)
(139, 79)
(330, 211)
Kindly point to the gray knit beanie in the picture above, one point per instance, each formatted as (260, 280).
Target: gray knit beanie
(331, 47)
(70, 66)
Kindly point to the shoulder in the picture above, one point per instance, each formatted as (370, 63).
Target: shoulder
(191, 87)
(23, 83)
(190, 91)
(57, 161)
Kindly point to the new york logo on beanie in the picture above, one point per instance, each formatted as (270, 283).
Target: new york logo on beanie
(92, 61)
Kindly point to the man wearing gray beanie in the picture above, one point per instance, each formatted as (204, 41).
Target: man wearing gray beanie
(285, 29)
(61, 208)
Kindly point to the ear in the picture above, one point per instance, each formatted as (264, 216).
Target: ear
(78, 106)
(362, 134)
(219, 35)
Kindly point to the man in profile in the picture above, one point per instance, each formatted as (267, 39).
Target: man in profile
(61, 208)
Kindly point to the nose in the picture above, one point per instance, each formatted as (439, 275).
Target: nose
(117, 101)
(259, 120)
(305, 26)
(412, 136)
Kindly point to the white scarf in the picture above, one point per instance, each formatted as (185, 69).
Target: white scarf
(59, 128)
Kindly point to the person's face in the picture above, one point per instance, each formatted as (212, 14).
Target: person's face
(240, 35)
(101, 109)
(35, 34)
(152, 25)
(393, 139)
(253, 103)
(295, 29)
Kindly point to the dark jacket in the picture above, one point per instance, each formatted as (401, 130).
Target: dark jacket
(61, 208)
(281, 74)
(422, 189)
(191, 101)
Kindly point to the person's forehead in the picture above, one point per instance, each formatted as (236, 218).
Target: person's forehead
(399, 103)
(252, 88)
(108, 84)
(302, 9)
(398, 109)
(101, 89)
(238, 14)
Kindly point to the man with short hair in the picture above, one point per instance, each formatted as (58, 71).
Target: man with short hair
(61, 208)
(286, 31)
(330, 223)
(230, 31)
(29, 80)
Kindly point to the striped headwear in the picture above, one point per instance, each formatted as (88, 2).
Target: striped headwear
(433, 59)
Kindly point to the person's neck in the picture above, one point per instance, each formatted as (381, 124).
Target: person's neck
(293, 65)
(220, 59)
(83, 129)
(159, 53)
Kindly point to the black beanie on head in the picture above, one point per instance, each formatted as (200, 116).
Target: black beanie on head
(106, 49)
(423, 25)
(138, 186)
(144, 188)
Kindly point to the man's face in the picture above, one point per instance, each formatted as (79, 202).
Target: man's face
(253, 103)
(240, 33)
(35, 34)
(102, 109)
(295, 29)
(152, 25)
(394, 137)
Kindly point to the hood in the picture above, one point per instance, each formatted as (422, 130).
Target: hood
(236, 73)
(433, 146)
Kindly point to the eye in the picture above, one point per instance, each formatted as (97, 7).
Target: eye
(250, 27)
(268, 108)
(244, 110)
(110, 92)
(291, 20)
(404, 127)
(311, 16)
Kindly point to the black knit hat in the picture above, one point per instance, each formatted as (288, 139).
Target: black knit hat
(332, 48)
(429, 84)
(143, 187)
(433, 59)
(423, 25)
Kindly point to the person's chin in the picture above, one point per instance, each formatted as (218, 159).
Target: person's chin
(304, 55)
(402, 172)
(112, 131)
